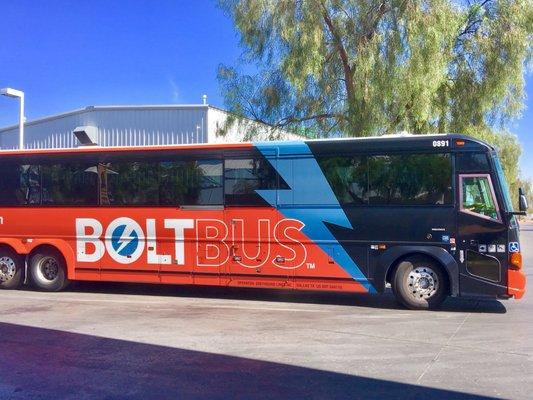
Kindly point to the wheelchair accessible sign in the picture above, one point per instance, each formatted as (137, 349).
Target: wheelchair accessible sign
(514, 247)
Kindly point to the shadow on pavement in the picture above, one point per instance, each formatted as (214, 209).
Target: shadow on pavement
(385, 301)
(40, 363)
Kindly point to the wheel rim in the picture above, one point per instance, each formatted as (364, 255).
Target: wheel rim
(7, 269)
(423, 283)
(49, 268)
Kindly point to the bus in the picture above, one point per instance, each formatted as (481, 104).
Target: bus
(429, 215)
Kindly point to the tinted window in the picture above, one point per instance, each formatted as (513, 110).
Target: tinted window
(415, 179)
(348, 177)
(137, 183)
(472, 162)
(191, 182)
(69, 184)
(20, 184)
(244, 176)
(129, 183)
(503, 184)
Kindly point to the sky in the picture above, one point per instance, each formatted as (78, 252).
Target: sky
(67, 55)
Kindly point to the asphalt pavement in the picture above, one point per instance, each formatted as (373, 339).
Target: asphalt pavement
(126, 341)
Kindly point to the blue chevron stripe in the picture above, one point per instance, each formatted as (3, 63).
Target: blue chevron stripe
(319, 188)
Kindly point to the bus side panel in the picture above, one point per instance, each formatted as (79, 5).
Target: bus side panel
(311, 201)
(380, 229)
(285, 257)
(55, 227)
(117, 241)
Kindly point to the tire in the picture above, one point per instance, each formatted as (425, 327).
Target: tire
(48, 270)
(419, 284)
(11, 269)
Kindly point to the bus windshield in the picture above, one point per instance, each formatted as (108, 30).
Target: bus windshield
(503, 184)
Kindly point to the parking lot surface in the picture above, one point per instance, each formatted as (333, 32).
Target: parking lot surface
(117, 341)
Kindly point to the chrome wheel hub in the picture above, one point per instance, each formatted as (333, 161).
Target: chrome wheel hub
(422, 282)
(7, 269)
(49, 268)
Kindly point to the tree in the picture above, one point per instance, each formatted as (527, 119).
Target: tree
(367, 67)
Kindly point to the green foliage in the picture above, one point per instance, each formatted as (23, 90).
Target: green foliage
(366, 67)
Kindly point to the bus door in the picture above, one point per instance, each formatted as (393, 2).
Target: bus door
(251, 183)
(482, 236)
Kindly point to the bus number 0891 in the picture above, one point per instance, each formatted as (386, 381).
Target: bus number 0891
(441, 143)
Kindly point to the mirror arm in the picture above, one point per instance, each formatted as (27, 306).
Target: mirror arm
(516, 213)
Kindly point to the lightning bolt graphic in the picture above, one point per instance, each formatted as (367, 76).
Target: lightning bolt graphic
(312, 184)
(125, 238)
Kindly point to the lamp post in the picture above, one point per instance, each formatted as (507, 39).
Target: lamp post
(17, 93)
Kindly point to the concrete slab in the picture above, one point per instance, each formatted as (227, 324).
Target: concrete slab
(140, 341)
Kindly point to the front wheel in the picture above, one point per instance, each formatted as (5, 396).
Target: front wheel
(419, 284)
(11, 269)
(48, 270)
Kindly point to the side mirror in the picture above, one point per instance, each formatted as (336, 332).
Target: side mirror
(522, 201)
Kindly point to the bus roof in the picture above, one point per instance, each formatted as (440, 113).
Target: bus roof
(385, 142)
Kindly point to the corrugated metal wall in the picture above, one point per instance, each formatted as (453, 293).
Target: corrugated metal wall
(240, 131)
(117, 126)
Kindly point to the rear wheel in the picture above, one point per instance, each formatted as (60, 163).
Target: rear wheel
(11, 269)
(48, 270)
(419, 284)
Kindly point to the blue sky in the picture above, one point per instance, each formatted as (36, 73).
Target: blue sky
(71, 54)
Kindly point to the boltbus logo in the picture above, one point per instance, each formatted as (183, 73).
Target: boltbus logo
(126, 241)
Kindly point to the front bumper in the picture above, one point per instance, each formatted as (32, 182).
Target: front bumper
(516, 283)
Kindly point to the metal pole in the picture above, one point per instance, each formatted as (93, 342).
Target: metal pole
(21, 123)
(9, 92)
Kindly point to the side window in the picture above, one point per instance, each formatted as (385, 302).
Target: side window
(414, 179)
(348, 177)
(20, 185)
(190, 183)
(243, 177)
(472, 162)
(69, 184)
(477, 196)
(129, 183)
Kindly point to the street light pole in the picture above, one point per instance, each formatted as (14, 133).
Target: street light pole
(20, 94)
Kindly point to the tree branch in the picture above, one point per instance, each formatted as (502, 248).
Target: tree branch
(348, 73)
(371, 31)
(292, 119)
(471, 23)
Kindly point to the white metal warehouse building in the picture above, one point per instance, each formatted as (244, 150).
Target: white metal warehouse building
(142, 125)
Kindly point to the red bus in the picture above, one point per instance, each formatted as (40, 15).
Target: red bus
(429, 215)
